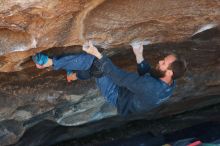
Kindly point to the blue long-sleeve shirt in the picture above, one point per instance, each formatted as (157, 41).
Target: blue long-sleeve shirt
(143, 68)
(138, 93)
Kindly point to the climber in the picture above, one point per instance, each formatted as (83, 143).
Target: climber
(129, 92)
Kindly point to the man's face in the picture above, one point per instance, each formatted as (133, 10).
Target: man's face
(161, 68)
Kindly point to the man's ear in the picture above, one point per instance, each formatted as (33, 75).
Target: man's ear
(169, 73)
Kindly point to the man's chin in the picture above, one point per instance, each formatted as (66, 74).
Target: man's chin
(156, 73)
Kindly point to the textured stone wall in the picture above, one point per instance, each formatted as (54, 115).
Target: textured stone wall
(36, 25)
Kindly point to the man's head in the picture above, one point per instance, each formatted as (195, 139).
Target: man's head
(171, 66)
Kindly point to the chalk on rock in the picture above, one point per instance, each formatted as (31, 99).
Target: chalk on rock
(138, 43)
(85, 45)
(205, 27)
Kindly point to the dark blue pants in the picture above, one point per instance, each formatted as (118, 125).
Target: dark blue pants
(108, 89)
(81, 63)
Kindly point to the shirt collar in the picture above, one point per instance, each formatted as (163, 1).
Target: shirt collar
(167, 85)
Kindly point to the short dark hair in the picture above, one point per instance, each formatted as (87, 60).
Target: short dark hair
(178, 67)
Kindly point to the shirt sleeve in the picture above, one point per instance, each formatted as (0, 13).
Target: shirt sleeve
(143, 68)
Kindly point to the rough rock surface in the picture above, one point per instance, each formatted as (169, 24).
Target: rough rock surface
(29, 96)
(35, 25)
